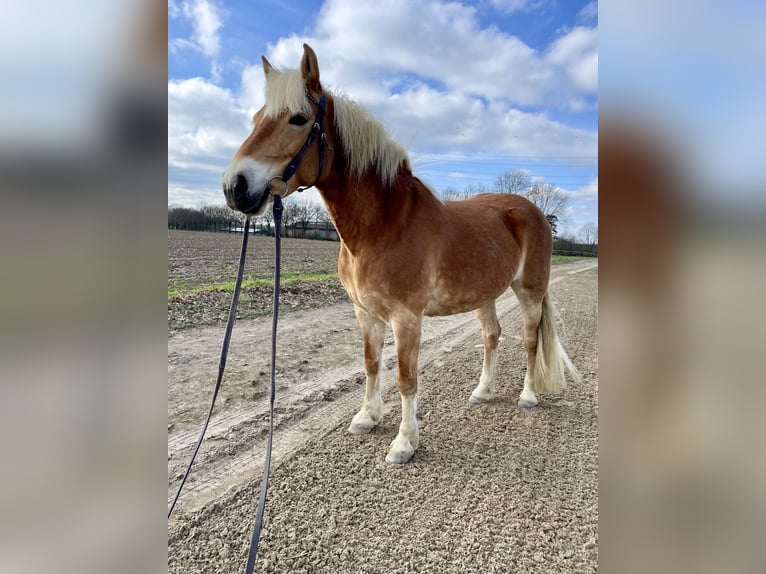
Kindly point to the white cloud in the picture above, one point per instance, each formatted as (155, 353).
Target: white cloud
(205, 126)
(430, 120)
(173, 9)
(193, 195)
(196, 103)
(511, 6)
(583, 207)
(576, 54)
(445, 85)
(589, 12)
(206, 22)
(442, 44)
(588, 191)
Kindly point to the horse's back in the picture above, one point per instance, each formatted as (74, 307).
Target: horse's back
(493, 212)
(506, 235)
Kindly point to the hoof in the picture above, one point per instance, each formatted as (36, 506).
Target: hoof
(401, 451)
(400, 457)
(362, 423)
(527, 404)
(354, 428)
(476, 399)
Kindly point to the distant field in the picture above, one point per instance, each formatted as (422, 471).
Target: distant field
(202, 268)
(198, 259)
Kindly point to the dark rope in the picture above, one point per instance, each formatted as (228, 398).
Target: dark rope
(222, 362)
(267, 464)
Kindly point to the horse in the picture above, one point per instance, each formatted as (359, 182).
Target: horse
(404, 253)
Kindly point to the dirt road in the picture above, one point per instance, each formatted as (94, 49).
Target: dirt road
(491, 489)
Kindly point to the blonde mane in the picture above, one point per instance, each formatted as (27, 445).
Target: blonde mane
(367, 144)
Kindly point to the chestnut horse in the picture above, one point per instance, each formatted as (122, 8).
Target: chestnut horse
(403, 253)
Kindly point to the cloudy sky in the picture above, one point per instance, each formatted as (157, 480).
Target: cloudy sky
(471, 89)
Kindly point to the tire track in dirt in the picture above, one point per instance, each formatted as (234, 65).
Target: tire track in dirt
(302, 410)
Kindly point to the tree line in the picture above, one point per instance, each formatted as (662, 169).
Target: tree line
(221, 218)
(301, 214)
(204, 218)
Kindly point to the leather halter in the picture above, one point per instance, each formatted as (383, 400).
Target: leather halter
(316, 130)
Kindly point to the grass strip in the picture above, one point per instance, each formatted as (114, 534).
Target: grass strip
(555, 259)
(228, 286)
(290, 278)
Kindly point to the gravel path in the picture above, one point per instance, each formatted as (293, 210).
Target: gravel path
(492, 488)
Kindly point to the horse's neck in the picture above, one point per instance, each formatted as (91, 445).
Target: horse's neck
(353, 204)
(363, 210)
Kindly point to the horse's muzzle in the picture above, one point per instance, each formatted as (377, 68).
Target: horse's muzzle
(240, 197)
(240, 190)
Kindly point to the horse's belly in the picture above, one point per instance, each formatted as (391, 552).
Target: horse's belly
(447, 301)
(441, 308)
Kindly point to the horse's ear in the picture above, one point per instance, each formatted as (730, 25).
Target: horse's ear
(267, 67)
(310, 68)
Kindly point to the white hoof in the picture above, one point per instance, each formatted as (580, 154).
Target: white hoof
(480, 399)
(362, 423)
(401, 451)
(527, 398)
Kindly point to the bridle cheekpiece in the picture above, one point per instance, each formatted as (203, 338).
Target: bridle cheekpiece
(316, 130)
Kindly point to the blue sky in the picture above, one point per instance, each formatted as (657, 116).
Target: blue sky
(471, 89)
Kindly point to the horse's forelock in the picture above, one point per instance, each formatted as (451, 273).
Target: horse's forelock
(286, 90)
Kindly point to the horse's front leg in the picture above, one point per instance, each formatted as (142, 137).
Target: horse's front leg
(407, 329)
(373, 334)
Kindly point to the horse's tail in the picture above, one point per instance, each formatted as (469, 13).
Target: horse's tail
(551, 361)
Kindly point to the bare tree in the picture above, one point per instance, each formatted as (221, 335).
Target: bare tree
(289, 212)
(589, 234)
(550, 199)
(323, 216)
(317, 212)
(516, 181)
(302, 215)
(267, 219)
(452, 194)
(475, 189)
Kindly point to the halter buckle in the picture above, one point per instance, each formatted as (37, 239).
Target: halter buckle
(283, 185)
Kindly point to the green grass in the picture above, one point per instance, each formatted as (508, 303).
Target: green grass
(556, 259)
(290, 278)
(228, 287)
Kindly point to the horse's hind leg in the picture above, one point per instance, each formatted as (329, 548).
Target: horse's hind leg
(490, 333)
(530, 301)
(407, 329)
(373, 333)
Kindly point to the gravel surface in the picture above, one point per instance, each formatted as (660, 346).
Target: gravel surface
(492, 488)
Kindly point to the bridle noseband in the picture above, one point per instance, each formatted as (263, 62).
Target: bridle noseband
(316, 130)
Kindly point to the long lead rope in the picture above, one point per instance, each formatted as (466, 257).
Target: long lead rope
(222, 362)
(267, 464)
(222, 365)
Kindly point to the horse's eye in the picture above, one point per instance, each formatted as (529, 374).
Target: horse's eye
(298, 120)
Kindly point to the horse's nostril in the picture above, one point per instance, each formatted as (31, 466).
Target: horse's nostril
(240, 187)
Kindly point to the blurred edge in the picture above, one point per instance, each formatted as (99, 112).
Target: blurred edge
(681, 389)
(83, 175)
(682, 278)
